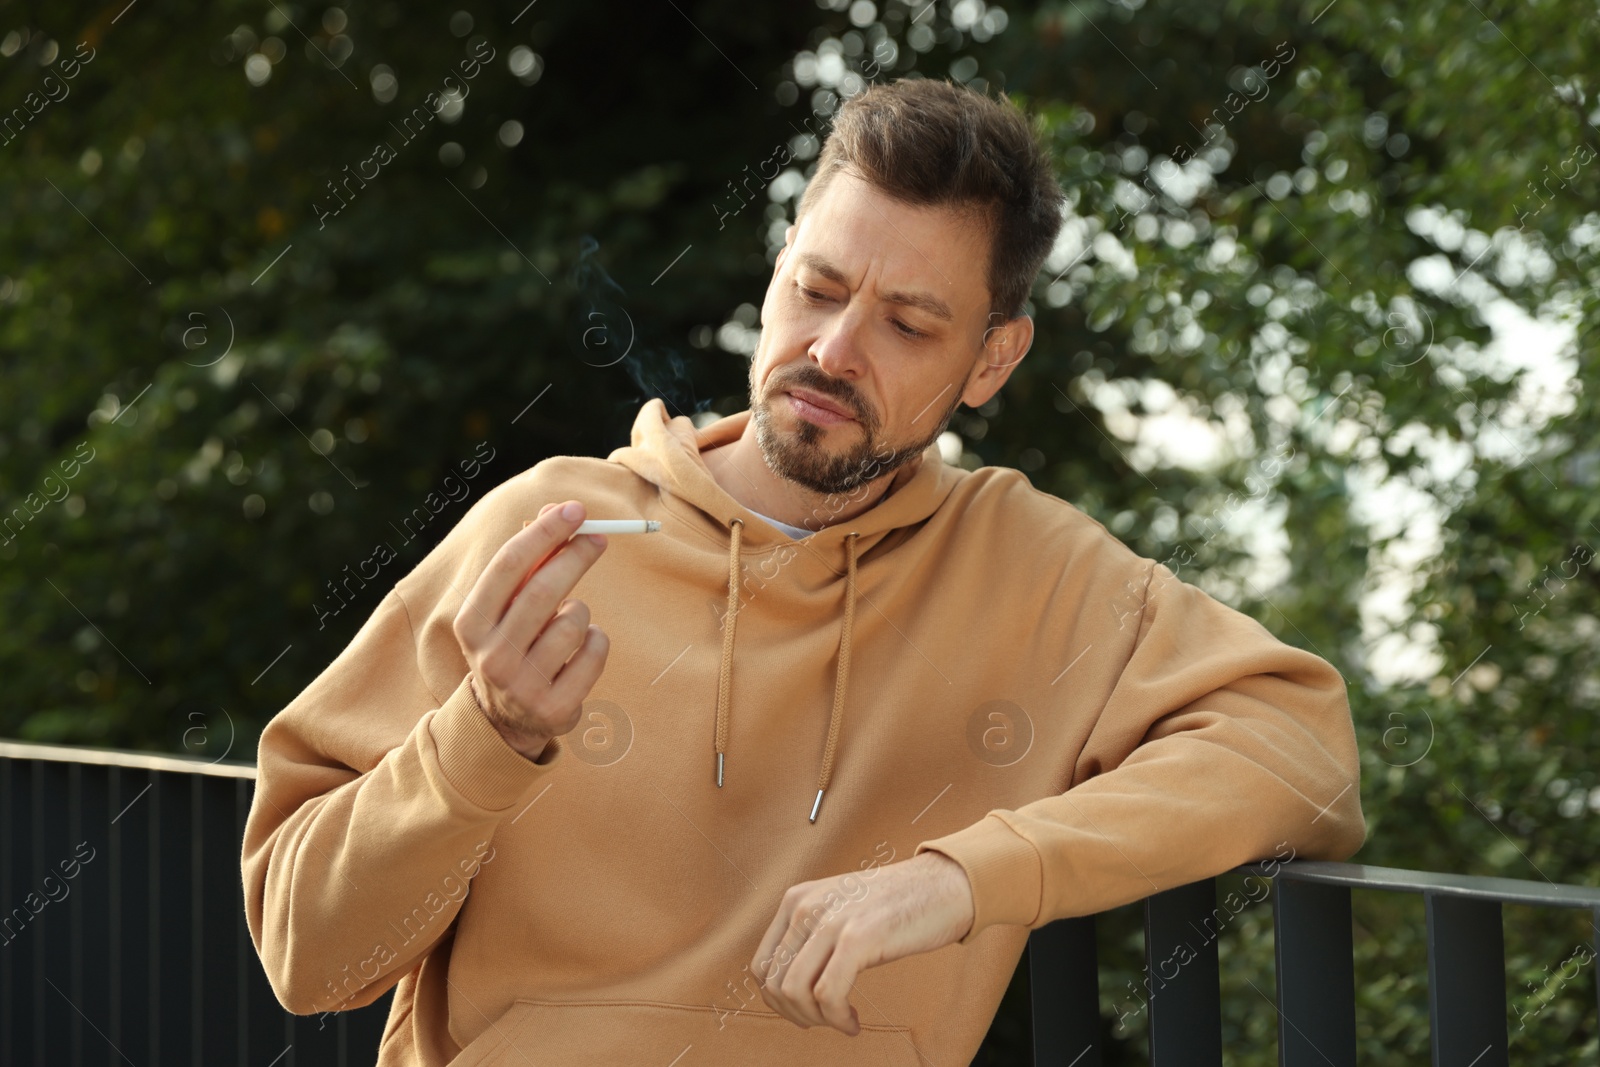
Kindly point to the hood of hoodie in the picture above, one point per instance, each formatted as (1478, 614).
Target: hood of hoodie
(667, 452)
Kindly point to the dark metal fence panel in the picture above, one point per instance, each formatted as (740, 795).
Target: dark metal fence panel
(1185, 988)
(13, 957)
(1315, 962)
(122, 939)
(1594, 924)
(122, 933)
(1064, 979)
(1466, 981)
(127, 846)
(1314, 957)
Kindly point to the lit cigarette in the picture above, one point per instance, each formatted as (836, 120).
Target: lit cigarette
(612, 526)
(618, 526)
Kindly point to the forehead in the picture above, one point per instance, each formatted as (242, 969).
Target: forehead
(897, 249)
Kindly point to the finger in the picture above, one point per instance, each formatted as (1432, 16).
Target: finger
(774, 965)
(525, 524)
(529, 522)
(486, 603)
(553, 705)
(793, 941)
(832, 989)
(539, 632)
(772, 991)
(764, 965)
(798, 988)
(562, 636)
(531, 608)
(583, 670)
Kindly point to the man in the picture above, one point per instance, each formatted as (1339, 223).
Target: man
(790, 781)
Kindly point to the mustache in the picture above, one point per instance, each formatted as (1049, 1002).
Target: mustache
(828, 387)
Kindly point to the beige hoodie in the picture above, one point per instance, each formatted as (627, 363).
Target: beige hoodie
(970, 666)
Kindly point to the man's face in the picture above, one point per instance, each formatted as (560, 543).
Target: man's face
(874, 328)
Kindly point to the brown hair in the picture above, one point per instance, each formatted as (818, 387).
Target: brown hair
(932, 142)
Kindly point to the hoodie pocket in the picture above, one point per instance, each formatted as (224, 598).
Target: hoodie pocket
(551, 1033)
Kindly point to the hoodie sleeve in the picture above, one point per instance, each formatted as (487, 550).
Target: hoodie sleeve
(378, 791)
(1219, 745)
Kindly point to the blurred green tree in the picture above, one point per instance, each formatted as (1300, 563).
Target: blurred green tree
(1360, 241)
(274, 274)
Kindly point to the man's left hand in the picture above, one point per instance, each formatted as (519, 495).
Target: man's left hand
(828, 931)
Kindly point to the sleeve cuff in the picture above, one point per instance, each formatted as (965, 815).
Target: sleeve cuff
(1003, 868)
(476, 760)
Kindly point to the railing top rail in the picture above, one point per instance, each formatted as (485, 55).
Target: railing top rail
(112, 757)
(1353, 875)
(1393, 879)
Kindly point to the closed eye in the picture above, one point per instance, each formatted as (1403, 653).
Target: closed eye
(813, 296)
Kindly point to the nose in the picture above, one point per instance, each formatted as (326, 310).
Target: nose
(837, 351)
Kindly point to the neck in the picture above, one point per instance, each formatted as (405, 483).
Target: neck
(739, 468)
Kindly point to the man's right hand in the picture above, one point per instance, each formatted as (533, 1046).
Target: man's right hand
(532, 656)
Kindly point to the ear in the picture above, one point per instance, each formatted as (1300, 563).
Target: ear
(788, 242)
(1003, 348)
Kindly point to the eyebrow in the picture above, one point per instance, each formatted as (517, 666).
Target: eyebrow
(921, 301)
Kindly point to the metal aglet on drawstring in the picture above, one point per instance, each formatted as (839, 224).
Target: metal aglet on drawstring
(719, 770)
(816, 805)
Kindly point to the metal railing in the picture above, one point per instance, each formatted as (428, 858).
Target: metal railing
(123, 939)
(1315, 964)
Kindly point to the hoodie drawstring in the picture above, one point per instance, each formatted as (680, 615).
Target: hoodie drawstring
(836, 720)
(725, 675)
(841, 679)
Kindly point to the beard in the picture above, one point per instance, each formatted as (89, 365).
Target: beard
(801, 457)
